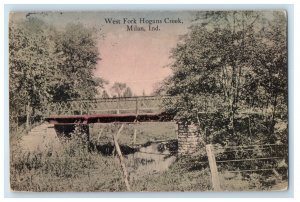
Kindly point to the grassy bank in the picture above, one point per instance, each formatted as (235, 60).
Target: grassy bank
(73, 168)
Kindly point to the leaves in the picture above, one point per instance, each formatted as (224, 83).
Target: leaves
(229, 62)
(47, 64)
(121, 90)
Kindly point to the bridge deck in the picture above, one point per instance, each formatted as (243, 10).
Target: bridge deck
(109, 118)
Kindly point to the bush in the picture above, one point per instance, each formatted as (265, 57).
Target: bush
(71, 168)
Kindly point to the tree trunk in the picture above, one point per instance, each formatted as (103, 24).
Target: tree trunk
(28, 115)
(272, 119)
(233, 96)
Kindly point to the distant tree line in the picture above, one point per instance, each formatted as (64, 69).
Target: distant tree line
(48, 64)
(118, 90)
(238, 60)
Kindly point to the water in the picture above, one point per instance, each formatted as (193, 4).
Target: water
(151, 159)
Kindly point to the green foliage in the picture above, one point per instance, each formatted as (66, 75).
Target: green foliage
(177, 178)
(230, 63)
(104, 94)
(119, 89)
(31, 64)
(71, 168)
(46, 64)
(77, 55)
(127, 92)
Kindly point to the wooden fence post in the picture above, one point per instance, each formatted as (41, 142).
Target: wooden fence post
(213, 167)
(134, 137)
(115, 137)
(99, 135)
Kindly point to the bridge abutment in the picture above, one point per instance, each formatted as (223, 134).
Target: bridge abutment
(189, 138)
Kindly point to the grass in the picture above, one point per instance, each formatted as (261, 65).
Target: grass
(178, 178)
(79, 171)
(251, 182)
(73, 168)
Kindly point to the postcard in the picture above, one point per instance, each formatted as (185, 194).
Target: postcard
(148, 101)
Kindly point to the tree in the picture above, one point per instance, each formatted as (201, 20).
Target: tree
(76, 48)
(210, 58)
(215, 62)
(46, 65)
(127, 92)
(105, 94)
(32, 63)
(270, 77)
(118, 88)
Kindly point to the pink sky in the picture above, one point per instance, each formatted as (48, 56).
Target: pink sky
(139, 59)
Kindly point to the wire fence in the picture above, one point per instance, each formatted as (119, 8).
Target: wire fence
(256, 157)
(266, 159)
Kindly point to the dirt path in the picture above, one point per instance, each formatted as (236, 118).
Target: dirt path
(39, 138)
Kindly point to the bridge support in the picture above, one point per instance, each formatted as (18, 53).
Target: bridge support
(189, 139)
(69, 130)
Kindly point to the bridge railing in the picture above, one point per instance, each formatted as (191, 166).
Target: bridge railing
(145, 104)
(122, 105)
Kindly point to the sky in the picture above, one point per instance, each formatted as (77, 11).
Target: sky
(141, 59)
